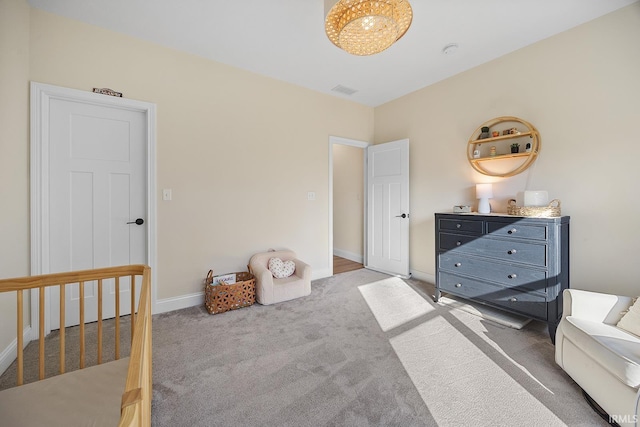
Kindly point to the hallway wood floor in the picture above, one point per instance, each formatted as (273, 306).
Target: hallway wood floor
(342, 265)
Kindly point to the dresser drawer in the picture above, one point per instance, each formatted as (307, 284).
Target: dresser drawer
(520, 231)
(465, 287)
(466, 226)
(528, 304)
(521, 252)
(456, 241)
(509, 275)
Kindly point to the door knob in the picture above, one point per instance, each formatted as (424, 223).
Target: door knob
(402, 216)
(138, 221)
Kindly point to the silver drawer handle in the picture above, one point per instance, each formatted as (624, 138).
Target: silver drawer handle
(458, 285)
(512, 276)
(458, 225)
(458, 264)
(512, 231)
(458, 243)
(511, 252)
(513, 299)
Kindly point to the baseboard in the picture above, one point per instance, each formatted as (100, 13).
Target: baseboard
(9, 354)
(177, 303)
(348, 255)
(425, 277)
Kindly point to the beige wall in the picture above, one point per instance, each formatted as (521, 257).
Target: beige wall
(240, 151)
(348, 201)
(581, 90)
(14, 155)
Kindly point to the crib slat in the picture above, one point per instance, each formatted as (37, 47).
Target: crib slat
(99, 321)
(19, 336)
(117, 319)
(81, 325)
(132, 289)
(41, 333)
(62, 329)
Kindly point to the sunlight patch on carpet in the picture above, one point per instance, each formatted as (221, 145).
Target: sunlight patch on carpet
(393, 302)
(448, 369)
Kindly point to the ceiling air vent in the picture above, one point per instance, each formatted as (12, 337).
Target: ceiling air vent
(344, 90)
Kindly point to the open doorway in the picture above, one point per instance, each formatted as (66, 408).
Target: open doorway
(347, 205)
(385, 206)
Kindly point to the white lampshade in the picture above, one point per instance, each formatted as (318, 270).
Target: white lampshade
(484, 192)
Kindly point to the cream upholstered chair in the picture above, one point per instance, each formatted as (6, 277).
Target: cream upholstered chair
(603, 359)
(270, 290)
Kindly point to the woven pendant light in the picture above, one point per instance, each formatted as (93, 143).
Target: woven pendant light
(366, 27)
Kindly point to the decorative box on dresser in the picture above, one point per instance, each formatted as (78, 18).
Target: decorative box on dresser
(518, 264)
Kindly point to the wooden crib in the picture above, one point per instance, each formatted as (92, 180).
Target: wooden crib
(116, 392)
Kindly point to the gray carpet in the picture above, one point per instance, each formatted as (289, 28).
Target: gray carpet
(321, 360)
(324, 360)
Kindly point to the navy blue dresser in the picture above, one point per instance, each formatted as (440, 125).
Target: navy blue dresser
(513, 263)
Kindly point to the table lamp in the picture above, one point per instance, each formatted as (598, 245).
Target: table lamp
(484, 192)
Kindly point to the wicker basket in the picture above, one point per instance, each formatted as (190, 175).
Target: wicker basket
(534, 211)
(222, 297)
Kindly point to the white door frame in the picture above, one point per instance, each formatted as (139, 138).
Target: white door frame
(41, 95)
(354, 143)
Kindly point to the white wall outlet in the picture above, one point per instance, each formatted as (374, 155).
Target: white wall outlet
(311, 195)
(166, 194)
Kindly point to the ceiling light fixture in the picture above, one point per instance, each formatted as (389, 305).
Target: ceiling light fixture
(365, 27)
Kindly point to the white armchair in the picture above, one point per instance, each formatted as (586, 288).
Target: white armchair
(270, 290)
(602, 359)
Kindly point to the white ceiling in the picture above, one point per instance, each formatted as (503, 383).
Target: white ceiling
(285, 39)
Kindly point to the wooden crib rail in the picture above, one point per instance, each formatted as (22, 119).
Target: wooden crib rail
(60, 280)
(136, 401)
(32, 282)
(135, 409)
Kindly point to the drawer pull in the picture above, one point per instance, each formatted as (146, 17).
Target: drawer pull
(458, 243)
(511, 252)
(513, 299)
(458, 225)
(512, 231)
(458, 285)
(458, 264)
(512, 276)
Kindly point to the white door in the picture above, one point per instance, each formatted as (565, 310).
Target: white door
(97, 189)
(388, 207)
